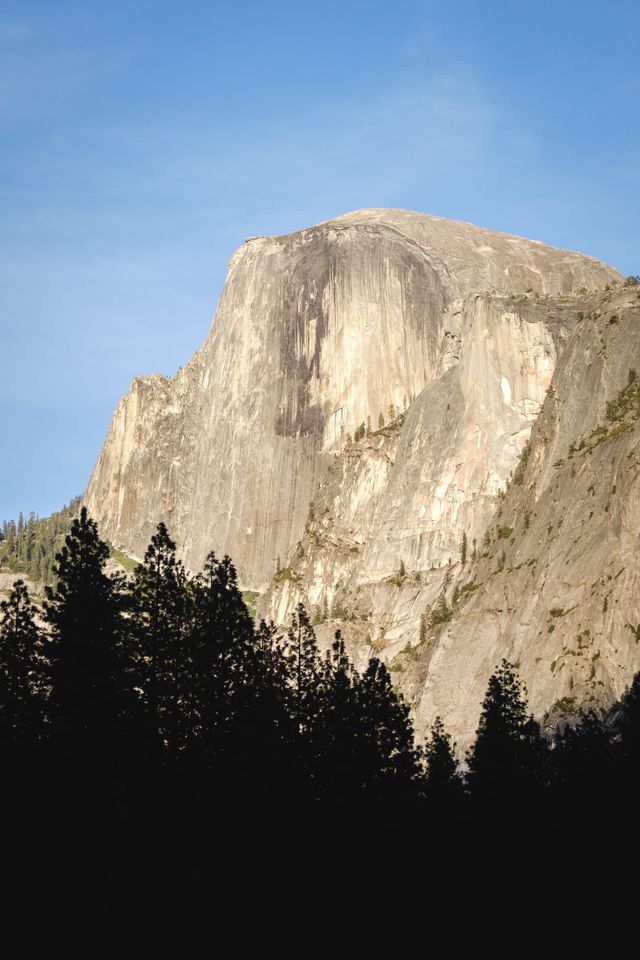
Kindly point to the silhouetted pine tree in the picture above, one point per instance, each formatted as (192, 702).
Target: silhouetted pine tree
(305, 674)
(443, 783)
(92, 707)
(216, 660)
(339, 732)
(273, 659)
(506, 763)
(230, 696)
(389, 757)
(277, 778)
(158, 627)
(583, 766)
(21, 670)
(627, 726)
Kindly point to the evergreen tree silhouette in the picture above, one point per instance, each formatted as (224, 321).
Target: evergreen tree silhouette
(24, 803)
(627, 749)
(277, 777)
(227, 707)
(583, 766)
(340, 729)
(506, 763)
(305, 672)
(389, 754)
(274, 663)
(158, 625)
(22, 676)
(92, 707)
(215, 663)
(443, 783)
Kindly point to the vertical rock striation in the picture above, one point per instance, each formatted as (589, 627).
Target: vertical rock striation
(451, 333)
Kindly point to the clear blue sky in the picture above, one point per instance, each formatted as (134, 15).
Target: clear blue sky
(141, 141)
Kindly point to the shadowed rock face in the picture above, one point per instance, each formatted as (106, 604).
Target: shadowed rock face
(450, 332)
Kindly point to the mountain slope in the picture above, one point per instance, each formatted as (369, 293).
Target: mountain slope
(365, 393)
(314, 332)
(560, 594)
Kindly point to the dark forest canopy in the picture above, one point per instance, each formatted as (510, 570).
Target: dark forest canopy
(175, 664)
(132, 704)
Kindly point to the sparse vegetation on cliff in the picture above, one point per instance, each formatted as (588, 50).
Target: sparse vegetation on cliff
(441, 612)
(621, 413)
(523, 460)
(284, 574)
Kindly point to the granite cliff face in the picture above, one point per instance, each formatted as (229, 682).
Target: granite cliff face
(457, 338)
(556, 585)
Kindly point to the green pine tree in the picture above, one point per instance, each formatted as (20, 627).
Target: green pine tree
(441, 612)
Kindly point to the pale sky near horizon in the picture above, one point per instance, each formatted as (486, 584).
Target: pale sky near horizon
(141, 142)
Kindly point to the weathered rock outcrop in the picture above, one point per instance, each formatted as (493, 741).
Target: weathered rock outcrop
(448, 332)
(556, 587)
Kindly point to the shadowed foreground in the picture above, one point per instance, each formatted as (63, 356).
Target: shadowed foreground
(158, 750)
